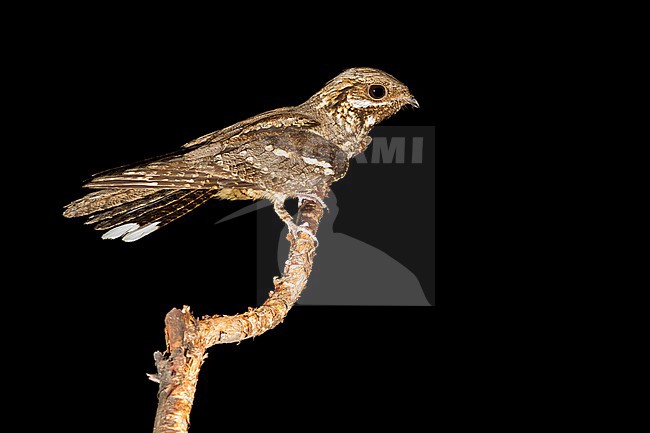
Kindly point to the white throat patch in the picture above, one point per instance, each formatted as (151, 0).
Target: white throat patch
(363, 103)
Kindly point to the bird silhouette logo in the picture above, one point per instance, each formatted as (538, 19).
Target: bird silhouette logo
(348, 271)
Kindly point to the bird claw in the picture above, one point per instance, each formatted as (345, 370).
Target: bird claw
(295, 229)
(311, 197)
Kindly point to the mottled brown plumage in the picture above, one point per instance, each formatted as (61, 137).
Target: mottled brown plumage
(291, 152)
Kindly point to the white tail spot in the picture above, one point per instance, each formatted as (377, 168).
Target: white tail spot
(144, 231)
(120, 231)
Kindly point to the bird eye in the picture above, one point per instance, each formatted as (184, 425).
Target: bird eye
(377, 91)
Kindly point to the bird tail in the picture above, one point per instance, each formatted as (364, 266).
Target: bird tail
(131, 214)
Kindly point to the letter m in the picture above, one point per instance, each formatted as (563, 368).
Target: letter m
(387, 153)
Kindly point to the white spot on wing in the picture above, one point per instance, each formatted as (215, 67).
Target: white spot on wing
(144, 231)
(328, 171)
(280, 152)
(119, 231)
(313, 161)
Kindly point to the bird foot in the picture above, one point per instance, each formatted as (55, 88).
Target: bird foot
(312, 197)
(295, 228)
(278, 206)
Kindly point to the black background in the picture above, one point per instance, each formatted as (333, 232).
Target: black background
(106, 102)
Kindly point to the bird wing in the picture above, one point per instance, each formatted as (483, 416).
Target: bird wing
(276, 155)
(270, 156)
(279, 117)
(289, 159)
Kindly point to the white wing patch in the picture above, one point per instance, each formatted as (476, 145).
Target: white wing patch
(313, 161)
(281, 152)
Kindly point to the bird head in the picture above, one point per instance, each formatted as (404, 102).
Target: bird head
(359, 98)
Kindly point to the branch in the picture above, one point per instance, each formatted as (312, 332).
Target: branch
(178, 373)
(188, 338)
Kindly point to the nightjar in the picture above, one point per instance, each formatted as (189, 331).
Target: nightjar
(290, 152)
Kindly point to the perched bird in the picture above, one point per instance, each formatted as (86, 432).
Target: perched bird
(291, 152)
